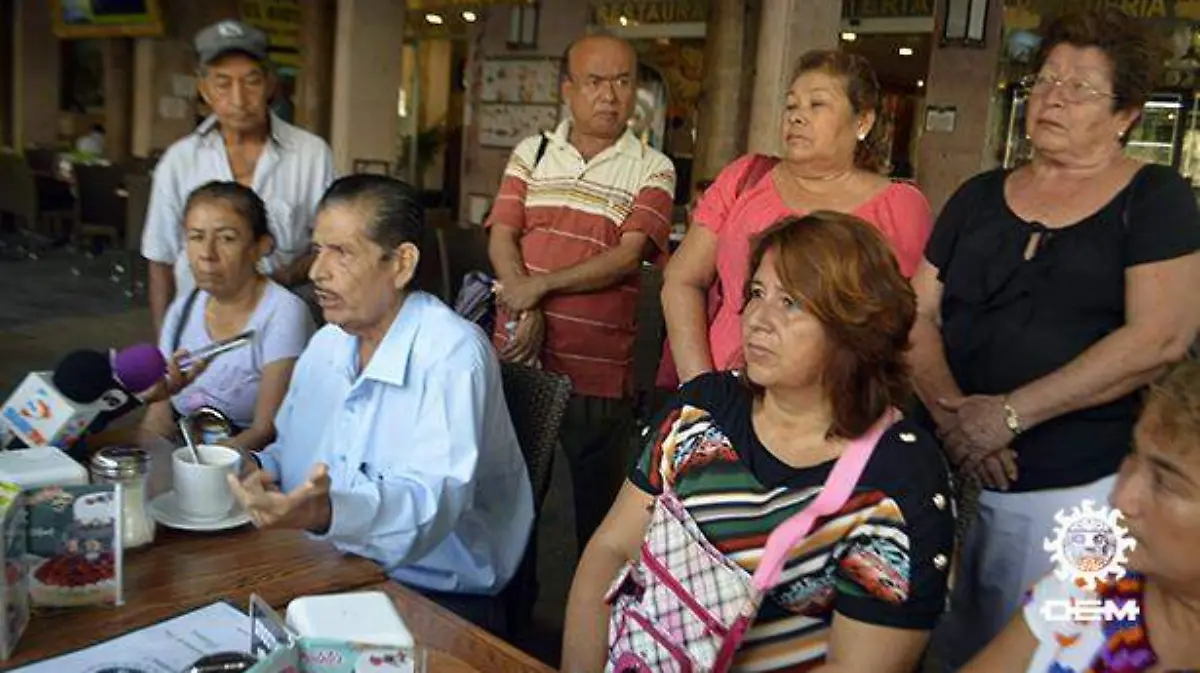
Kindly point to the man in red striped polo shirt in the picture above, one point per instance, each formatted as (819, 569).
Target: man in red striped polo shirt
(578, 211)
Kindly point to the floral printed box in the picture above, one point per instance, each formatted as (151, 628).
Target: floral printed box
(14, 589)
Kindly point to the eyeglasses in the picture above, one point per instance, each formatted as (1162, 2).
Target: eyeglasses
(592, 84)
(1073, 90)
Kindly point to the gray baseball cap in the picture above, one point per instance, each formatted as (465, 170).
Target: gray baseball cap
(230, 36)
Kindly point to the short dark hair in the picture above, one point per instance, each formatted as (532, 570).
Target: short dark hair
(1175, 400)
(843, 273)
(861, 88)
(397, 216)
(240, 198)
(1135, 57)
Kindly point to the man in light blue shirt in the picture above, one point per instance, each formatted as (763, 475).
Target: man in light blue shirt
(242, 141)
(394, 441)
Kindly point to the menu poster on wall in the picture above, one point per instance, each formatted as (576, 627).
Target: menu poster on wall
(280, 20)
(502, 125)
(106, 18)
(520, 80)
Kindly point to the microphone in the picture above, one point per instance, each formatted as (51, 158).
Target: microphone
(53, 409)
(86, 391)
(139, 367)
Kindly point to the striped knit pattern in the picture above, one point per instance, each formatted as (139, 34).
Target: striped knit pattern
(569, 211)
(861, 550)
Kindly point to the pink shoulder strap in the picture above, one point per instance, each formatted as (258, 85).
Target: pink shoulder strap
(838, 488)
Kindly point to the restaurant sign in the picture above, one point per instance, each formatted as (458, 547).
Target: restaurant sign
(650, 11)
(886, 9)
(1141, 9)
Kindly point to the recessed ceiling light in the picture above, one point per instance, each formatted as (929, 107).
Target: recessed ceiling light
(905, 51)
(435, 19)
(849, 37)
(469, 16)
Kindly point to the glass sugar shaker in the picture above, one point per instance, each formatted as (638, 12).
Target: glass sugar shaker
(129, 467)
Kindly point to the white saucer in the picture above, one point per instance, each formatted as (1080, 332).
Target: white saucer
(165, 510)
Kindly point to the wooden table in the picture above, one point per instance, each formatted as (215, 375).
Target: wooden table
(182, 571)
(441, 630)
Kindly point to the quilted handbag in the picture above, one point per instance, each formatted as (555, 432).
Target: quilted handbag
(682, 606)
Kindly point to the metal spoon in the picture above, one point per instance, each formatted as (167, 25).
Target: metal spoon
(185, 426)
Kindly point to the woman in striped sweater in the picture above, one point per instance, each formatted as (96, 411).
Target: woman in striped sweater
(824, 328)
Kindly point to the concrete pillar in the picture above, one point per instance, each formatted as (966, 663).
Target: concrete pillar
(964, 79)
(36, 82)
(163, 112)
(437, 63)
(143, 97)
(8, 29)
(118, 97)
(721, 125)
(787, 29)
(314, 91)
(368, 73)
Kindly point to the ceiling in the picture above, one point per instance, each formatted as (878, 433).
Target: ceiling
(895, 71)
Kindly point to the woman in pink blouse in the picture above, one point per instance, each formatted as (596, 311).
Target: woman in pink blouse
(827, 127)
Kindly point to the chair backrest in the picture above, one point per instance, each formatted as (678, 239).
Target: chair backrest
(537, 402)
(137, 203)
(98, 199)
(651, 330)
(18, 190)
(42, 160)
(465, 249)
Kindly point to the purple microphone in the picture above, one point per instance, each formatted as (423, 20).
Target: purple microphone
(139, 367)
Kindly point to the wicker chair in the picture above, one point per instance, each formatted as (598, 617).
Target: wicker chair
(537, 402)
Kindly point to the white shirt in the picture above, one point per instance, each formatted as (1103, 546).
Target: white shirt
(291, 176)
(427, 476)
(92, 143)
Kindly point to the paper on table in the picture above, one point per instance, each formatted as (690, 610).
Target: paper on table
(166, 647)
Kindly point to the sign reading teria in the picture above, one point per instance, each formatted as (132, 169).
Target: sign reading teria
(1087, 549)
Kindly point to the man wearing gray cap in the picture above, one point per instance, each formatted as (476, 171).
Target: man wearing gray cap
(241, 141)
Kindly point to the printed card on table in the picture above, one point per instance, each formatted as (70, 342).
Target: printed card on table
(75, 550)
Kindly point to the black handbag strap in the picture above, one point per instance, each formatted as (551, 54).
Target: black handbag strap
(541, 151)
(184, 316)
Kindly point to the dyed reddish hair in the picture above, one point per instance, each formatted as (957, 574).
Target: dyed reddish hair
(845, 275)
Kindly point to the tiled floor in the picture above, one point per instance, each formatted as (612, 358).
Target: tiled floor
(48, 310)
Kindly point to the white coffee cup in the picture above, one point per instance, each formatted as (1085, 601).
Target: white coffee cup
(202, 490)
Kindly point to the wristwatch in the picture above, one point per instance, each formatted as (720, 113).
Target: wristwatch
(1011, 419)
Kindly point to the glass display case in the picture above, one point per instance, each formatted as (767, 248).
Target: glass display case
(1156, 139)
(1017, 148)
(1189, 159)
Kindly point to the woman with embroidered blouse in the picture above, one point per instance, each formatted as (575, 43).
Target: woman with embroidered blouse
(226, 234)
(825, 328)
(1158, 493)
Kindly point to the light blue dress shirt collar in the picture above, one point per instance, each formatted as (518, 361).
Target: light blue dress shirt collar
(427, 476)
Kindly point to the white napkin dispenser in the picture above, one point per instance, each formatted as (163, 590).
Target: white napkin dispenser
(367, 617)
(41, 466)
